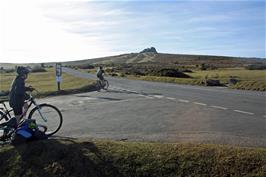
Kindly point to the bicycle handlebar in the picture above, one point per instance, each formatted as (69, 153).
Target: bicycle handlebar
(30, 93)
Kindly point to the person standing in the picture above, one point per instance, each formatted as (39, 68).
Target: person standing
(17, 95)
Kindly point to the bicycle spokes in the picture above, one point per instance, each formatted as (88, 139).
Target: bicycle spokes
(41, 114)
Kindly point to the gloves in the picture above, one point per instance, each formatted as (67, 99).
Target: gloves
(30, 88)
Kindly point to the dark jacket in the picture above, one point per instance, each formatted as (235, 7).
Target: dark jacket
(17, 93)
(100, 73)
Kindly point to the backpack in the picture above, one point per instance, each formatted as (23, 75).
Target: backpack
(28, 131)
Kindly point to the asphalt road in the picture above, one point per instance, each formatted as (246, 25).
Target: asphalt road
(149, 111)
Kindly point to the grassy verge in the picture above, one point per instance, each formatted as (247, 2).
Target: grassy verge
(45, 83)
(168, 79)
(248, 79)
(101, 158)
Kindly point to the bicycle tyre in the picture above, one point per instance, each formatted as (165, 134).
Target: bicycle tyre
(50, 131)
(106, 84)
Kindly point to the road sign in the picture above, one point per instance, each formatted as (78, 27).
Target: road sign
(58, 69)
(58, 79)
(58, 72)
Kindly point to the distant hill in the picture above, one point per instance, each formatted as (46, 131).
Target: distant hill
(150, 56)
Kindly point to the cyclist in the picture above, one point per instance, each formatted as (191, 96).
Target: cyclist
(100, 73)
(18, 94)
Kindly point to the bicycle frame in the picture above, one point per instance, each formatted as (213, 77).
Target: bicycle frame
(31, 101)
(5, 110)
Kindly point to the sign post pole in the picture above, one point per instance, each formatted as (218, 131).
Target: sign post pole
(58, 72)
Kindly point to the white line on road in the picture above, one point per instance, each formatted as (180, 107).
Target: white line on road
(141, 95)
(264, 116)
(157, 96)
(132, 91)
(202, 104)
(170, 98)
(183, 101)
(219, 107)
(244, 112)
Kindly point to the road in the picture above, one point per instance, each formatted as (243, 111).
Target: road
(149, 111)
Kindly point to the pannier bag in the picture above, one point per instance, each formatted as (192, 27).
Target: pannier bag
(28, 131)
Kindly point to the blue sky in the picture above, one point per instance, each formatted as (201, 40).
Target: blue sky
(54, 30)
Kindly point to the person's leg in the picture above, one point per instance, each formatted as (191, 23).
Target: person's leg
(18, 111)
(102, 80)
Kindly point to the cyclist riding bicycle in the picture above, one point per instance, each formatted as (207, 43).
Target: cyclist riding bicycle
(18, 94)
(100, 73)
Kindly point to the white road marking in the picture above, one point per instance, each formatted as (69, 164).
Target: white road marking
(219, 107)
(170, 98)
(146, 96)
(264, 116)
(202, 104)
(244, 112)
(133, 91)
(158, 96)
(149, 97)
(183, 101)
(89, 98)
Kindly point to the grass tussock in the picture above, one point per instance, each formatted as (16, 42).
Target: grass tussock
(76, 158)
(251, 85)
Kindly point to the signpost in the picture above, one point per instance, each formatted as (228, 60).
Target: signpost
(58, 72)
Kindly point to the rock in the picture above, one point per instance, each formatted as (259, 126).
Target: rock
(212, 82)
(186, 71)
(172, 73)
(152, 49)
(232, 81)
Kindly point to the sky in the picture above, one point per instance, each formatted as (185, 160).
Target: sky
(66, 30)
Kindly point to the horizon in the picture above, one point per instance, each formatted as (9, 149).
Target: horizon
(38, 31)
(63, 61)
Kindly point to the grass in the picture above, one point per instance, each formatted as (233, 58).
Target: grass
(238, 73)
(248, 79)
(45, 82)
(78, 158)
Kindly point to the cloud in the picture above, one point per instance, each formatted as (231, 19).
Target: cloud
(29, 35)
(51, 30)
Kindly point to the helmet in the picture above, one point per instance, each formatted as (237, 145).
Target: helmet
(21, 70)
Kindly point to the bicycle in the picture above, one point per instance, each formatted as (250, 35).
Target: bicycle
(8, 131)
(47, 116)
(102, 84)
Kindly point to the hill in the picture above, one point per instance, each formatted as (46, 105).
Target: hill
(150, 56)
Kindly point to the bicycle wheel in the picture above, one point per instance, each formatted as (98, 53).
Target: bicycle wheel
(51, 114)
(98, 85)
(105, 85)
(3, 116)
